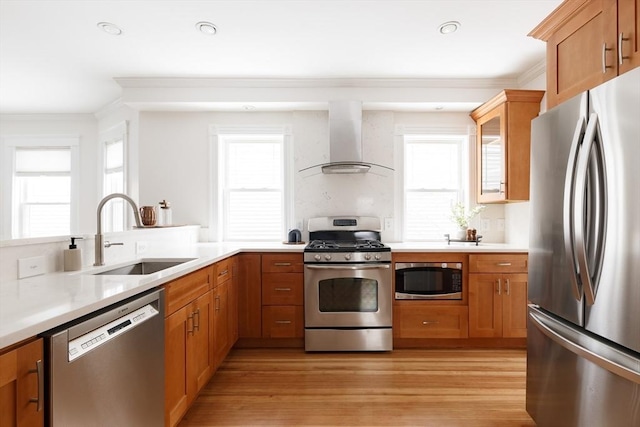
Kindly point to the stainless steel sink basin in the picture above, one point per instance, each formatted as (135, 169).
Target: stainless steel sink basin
(145, 266)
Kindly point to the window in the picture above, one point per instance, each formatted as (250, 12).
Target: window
(253, 196)
(433, 182)
(113, 176)
(39, 187)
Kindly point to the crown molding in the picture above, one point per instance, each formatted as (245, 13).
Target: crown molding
(532, 73)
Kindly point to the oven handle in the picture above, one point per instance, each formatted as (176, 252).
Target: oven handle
(349, 267)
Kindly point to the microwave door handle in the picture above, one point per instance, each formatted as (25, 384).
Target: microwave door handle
(569, 206)
(580, 207)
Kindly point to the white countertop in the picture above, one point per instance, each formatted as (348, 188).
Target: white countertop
(34, 305)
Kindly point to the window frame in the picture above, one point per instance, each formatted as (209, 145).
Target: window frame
(9, 146)
(412, 133)
(114, 134)
(218, 135)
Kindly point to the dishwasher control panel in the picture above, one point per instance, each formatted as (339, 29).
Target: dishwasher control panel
(84, 343)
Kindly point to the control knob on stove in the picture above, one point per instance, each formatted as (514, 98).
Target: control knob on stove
(378, 257)
(327, 257)
(367, 256)
(347, 256)
(317, 257)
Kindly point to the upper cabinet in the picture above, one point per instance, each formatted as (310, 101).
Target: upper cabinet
(503, 144)
(588, 43)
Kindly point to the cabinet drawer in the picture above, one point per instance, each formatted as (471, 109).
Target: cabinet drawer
(223, 271)
(282, 321)
(182, 291)
(282, 289)
(431, 322)
(282, 263)
(498, 263)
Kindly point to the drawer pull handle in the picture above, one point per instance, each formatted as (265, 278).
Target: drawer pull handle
(621, 57)
(430, 322)
(190, 330)
(282, 264)
(503, 264)
(605, 49)
(283, 322)
(196, 326)
(283, 289)
(39, 374)
(223, 273)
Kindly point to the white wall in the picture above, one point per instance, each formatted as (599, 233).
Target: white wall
(175, 164)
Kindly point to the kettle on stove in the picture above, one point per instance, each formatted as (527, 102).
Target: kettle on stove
(294, 236)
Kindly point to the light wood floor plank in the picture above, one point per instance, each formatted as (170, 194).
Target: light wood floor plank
(439, 388)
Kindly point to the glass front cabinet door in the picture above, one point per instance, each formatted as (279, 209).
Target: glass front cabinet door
(503, 138)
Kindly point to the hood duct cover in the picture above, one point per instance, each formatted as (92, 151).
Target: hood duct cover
(345, 141)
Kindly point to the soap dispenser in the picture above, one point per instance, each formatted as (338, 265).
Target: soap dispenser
(73, 256)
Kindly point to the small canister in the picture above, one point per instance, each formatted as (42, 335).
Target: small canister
(165, 213)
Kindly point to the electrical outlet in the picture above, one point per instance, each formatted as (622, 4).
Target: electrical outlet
(486, 224)
(388, 223)
(141, 247)
(500, 224)
(28, 267)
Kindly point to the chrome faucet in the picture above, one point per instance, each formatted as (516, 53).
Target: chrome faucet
(100, 245)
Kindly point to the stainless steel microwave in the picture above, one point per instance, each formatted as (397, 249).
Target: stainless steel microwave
(429, 280)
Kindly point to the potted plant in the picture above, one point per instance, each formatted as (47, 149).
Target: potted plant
(461, 217)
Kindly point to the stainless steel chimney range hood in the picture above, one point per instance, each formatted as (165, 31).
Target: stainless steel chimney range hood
(345, 142)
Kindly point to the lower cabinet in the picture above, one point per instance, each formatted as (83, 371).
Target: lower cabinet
(188, 343)
(498, 296)
(22, 385)
(282, 296)
(225, 309)
(419, 320)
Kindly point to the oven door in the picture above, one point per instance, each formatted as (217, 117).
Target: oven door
(347, 296)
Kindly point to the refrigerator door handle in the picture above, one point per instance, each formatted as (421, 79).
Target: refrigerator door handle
(580, 210)
(568, 206)
(606, 357)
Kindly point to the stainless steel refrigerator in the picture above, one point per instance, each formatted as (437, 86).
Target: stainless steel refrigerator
(583, 348)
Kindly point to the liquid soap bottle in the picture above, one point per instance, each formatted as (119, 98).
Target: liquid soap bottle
(73, 256)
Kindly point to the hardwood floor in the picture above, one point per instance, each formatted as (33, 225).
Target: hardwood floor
(443, 388)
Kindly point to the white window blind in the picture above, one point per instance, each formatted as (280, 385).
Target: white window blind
(252, 183)
(432, 184)
(42, 192)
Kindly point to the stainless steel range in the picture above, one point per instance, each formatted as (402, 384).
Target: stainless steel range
(347, 286)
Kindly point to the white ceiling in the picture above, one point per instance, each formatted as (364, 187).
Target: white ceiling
(54, 59)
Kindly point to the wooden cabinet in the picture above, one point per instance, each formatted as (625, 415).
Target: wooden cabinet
(422, 320)
(282, 295)
(431, 318)
(22, 385)
(188, 341)
(588, 43)
(249, 282)
(225, 309)
(503, 141)
(498, 295)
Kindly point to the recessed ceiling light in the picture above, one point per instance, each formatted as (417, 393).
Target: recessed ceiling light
(110, 28)
(449, 27)
(206, 28)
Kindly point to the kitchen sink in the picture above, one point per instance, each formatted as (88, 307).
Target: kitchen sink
(145, 266)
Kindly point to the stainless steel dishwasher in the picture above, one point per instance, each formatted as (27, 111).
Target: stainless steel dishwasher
(107, 368)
